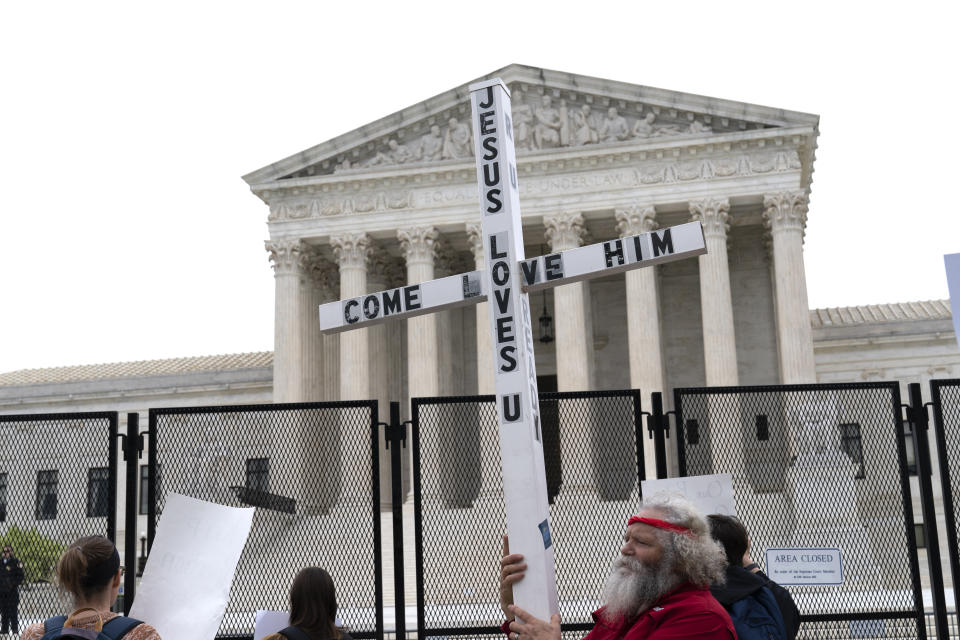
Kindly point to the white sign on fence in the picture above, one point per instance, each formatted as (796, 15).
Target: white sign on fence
(805, 566)
(709, 494)
(269, 622)
(186, 583)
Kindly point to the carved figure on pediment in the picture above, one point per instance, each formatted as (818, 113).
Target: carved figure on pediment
(584, 126)
(643, 128)
(522, 126)
(546, 131)
(698, 127)
(431, 145)
(614, 127)
(343, 166)
(397, 154)
(456, 142)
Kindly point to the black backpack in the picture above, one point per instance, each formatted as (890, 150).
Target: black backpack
(112, 629)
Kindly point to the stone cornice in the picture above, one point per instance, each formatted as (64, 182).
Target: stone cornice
(793, 141)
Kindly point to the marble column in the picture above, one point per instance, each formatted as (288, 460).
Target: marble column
(287, 334)
(321, 285)
(716, 303)
(287, 464)
(353, 251)
(417, 247)
(485, 375)
(574, 353)
(320, 444)
(574, 347)
(725, 433)
(785, 216)
(643, 321)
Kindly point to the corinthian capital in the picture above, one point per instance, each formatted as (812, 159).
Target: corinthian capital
(785, 211)
(419, 243)
(564, 230)
(284, 254)
(323, 273)
(352, 250)
(713, 214)
(475, 236)
(635, 219)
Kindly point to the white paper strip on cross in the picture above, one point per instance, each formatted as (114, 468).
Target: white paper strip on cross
(506, 280)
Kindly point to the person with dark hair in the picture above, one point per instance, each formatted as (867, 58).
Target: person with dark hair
(748, 594)
(11, 577)
(90, 572)
(313, 608)
(657, 588)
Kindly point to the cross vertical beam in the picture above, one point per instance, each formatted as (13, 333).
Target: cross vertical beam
(518, 410)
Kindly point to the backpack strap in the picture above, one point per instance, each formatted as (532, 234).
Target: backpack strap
(294, 633)
(52, 625)
(118, 627)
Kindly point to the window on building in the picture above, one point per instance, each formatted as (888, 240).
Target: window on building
(3, 497)
(98, 492)
(852, 445)
(258, 474)
(46, 505)
(920, 533)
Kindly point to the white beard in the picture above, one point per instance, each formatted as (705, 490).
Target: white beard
(631, 587)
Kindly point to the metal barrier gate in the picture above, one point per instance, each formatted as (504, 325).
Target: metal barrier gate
(311, 469)
(58, 479)
(945, 397)
(818, 466)
(593, 453)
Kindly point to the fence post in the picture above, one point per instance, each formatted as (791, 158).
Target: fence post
(917, 416)
(656, 426)
(131, 456)
(394, 439)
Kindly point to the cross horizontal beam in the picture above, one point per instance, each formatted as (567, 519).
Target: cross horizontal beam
(551, 270)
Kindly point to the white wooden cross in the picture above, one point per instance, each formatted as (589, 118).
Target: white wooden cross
(505, 282)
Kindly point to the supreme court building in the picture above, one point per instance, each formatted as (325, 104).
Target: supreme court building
(396, 202)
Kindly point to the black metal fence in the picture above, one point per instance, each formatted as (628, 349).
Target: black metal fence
(58, 482)
(593, 454)
(945, 396)
(311, 469)
(833, 454)
(818, 466)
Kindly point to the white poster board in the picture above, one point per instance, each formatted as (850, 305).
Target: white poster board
(269, 622)
(186, 582)
(952, 263)
(709, 494)
(805, 565)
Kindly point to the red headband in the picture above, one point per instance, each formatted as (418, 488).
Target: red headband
(659, 524)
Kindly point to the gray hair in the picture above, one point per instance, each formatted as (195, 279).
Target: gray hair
(696, 557)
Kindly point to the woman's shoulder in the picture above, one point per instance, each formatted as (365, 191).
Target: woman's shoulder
(142, 632)
(33, 632)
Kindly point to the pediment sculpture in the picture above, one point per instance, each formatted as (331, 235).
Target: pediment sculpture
(539, 122)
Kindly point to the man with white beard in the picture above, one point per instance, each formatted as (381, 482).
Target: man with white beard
(657, 589)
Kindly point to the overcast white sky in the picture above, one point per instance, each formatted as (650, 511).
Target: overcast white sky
(127, 232)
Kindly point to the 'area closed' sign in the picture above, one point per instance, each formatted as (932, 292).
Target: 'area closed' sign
(805, 566)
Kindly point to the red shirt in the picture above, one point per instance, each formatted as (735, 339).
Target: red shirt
(687, 612)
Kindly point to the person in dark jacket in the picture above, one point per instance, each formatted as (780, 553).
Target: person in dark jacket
(11, 576)
(744, 577)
